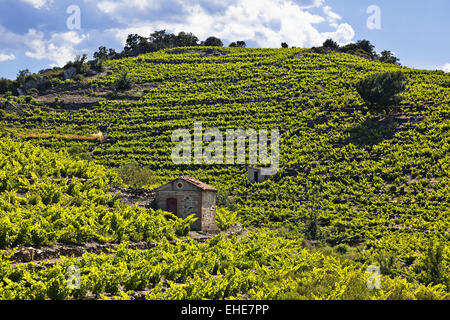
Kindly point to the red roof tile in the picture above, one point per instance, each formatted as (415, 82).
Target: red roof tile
(198, 183)
(195, 182)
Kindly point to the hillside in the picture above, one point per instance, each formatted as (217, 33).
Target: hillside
(357, 185)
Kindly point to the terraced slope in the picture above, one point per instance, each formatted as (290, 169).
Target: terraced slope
(374, 179)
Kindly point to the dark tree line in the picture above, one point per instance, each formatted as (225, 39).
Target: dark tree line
(158, 40)
(361, 48)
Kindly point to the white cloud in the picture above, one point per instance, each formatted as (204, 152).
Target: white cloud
(264, 23)
(332, 17)
(108, 6)
(267, 22)
(343, 34)
(7, 57)
(126, 11)
(446, 67)
(60, 48)
(38, 4)
(310, 3)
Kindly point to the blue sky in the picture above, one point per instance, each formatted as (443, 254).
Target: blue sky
(35, 34)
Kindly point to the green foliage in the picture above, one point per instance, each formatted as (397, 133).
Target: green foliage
(78, 78)
(80, 63)
(383, 178)
(329, 43)
(388, 57)
(28, 99)
(112, 94)
(184, 226)
(362, 48)
(66, 200)
(103, 54)
(99, 66)
(259, 266)
(135, 176)
(381, 88)
(226, 218)
(6, 85)
(433, 267)
(225, 199)
(124, 81)
(158, 40)
(342, 248)
(78, 152)
(386, 261)
(213, 42)
(22, 78)
(240, 44)
(33, 92)
(312, 228)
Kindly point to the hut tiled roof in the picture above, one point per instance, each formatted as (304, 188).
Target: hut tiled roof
(195, 182)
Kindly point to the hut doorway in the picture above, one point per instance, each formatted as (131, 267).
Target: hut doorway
(172, 205)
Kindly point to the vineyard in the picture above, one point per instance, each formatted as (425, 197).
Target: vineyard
(357, 186)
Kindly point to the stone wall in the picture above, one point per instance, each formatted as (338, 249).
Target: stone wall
(254, 175)
(190, 200)
(209, 211)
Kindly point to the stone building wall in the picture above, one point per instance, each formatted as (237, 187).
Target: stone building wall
(255, 175)
(190, 200)
(209, 211)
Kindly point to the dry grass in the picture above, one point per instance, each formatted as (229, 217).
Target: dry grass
(42, 135)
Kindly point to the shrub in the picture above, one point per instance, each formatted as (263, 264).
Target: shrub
(124, 81)
(224, 200)
(312, 230)
(101, 54)
(6, 85)
(33, 92)
(381, 88)
(432, 267)
(329, 43)
(241, 44)
(361, 48)
(22, 77)
(112, 94)
(388, 57)
(78, 78)
(387, 262)
(342, 248)
(78, 152)
(213, 42)
(99, 66)
(79, 63)
(135, 176)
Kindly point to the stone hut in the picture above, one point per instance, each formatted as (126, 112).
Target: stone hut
(255, 175)
(185, 196)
